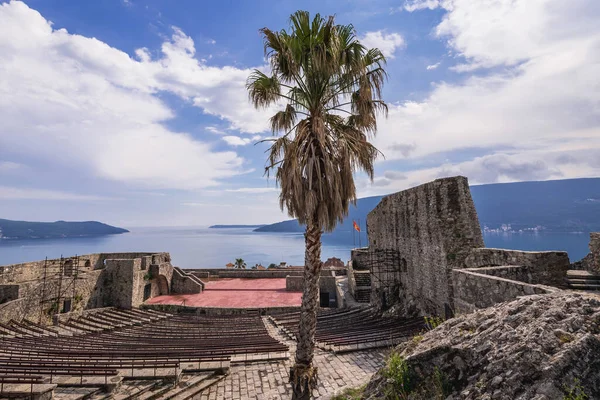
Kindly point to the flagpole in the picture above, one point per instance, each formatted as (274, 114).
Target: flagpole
(359, 245)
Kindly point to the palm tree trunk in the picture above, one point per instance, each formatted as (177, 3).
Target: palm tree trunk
(303, 376)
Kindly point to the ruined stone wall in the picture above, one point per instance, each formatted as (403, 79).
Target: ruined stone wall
(84, 282)
(416, 238)
(539, 267)
(360, 258)
(185, 283)
(8, 293)
(473, 290)
(294, 283)
(40, 300)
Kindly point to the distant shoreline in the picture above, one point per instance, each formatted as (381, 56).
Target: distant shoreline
(235, 226)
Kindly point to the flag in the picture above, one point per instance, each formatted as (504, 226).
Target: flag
(356, 226)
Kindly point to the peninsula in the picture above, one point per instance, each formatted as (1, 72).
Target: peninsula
(15, 230)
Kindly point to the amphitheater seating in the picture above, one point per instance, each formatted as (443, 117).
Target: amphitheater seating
(353, 329)
(104, 347)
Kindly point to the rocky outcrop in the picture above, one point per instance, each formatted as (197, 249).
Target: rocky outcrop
(537, 347)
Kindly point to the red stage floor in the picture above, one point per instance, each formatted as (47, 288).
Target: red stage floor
(237, 293)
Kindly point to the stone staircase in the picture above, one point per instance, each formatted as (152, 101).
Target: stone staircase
(583, 280)
(363, 286)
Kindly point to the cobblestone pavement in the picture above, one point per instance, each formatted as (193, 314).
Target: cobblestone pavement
(269, 380)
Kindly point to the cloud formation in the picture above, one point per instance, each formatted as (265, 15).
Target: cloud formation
(388, 43)
(63, 93)
(537, 91)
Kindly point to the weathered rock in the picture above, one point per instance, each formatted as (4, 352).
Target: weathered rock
(536, 347)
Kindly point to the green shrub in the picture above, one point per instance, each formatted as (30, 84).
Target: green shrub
(399, 379)
(433, 322)
(575, 392)
(441, 386)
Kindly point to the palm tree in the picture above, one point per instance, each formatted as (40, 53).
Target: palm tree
(329, 87)
(239, 263)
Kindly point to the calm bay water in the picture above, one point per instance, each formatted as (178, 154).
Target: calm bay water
(213, 248)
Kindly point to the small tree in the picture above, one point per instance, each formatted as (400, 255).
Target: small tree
(240, 263)
(331, 85)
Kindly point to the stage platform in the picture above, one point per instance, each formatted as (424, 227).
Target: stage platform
(236, 293)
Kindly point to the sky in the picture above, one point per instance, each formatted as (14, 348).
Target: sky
(135, 112)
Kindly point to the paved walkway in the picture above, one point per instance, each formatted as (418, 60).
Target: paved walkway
(269, 380)
(237, 293)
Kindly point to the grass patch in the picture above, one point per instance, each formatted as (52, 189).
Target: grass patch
(404, 384)
(433, 322)
(350, 394)
(575, 392)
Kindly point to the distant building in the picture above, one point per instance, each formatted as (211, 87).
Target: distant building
(230, 265)
(333, 262)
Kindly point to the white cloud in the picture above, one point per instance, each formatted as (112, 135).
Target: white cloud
(416, 5)
(14, 193)
(433, 66)
(240, 141)
(76, 101)
(543, 94)
(388, 43)
(8, 166)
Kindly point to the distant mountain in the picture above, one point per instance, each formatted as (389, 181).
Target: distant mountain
(234, 226)
(59, 229)
(355, 213)
(569, 205)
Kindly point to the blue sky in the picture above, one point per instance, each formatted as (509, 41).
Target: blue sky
(135, 112)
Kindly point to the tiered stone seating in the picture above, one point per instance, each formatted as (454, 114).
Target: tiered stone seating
(104, 348)
(353, 329)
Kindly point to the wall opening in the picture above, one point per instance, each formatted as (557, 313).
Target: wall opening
(66, 306)
(147, 291)
(324, 299)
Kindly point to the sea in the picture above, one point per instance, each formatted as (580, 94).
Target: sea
(213, 248)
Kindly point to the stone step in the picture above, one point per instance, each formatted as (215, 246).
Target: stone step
(78, 393)
(134, 389)
(192, 387)
(27, 391)
(156, 391)
(575, 273)
(363, 296)
(584, 287)
(583, 281)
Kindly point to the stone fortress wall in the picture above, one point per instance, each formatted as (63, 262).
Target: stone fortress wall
(416, 238)
(42, 289)
(427, 256)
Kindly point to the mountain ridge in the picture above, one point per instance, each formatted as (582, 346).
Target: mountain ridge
(567, 205)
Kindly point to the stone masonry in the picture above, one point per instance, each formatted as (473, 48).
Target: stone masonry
(269, 380)
(426, 255)
(416, 238)
(40, 290)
